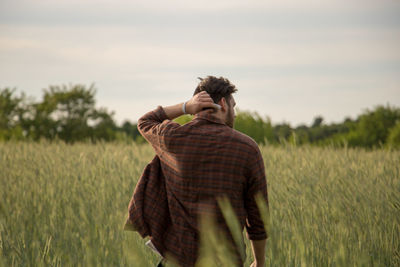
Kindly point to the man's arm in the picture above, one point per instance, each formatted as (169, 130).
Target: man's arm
(258, 249)
(193, 106)
(154, 125)
(256, 230)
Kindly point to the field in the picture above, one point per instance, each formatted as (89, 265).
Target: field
(64, 205)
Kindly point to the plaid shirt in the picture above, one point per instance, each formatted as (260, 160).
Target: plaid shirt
(194, 164)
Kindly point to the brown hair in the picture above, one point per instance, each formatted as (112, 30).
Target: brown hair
(217, 88)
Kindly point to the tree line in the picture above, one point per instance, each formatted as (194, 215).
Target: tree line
(69, 113)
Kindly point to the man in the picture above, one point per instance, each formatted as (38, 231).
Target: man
(196, 163)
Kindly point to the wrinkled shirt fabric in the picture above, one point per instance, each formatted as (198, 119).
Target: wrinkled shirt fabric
(195, 164)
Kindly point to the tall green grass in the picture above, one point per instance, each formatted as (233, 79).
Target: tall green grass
(63, 205)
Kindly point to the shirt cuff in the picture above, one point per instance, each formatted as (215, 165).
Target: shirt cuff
(261, 236)
(160, 113)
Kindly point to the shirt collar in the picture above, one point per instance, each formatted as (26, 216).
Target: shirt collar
(208, 116)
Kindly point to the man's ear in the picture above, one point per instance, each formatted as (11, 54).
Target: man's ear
(223, 104)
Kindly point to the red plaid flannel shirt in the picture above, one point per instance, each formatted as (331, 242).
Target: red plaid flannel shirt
(194, 164)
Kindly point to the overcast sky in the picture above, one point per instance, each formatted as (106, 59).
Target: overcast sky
(290, 60)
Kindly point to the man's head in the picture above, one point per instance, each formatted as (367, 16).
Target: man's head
(220, 90)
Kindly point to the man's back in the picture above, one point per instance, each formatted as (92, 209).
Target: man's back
(200, 161)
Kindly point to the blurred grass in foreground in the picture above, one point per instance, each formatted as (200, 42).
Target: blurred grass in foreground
(66, 205)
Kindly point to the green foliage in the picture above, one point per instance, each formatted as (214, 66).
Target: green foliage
(393, 139)
(65, 205)
(282, 133)
(254, 126)
(131, 131)
(371, 129)
(317, 121)
(183, 119)
(11, 114)
(8, 105)
(374, 126)
(68, 113)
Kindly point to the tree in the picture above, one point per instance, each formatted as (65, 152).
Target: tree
(374, 126)
(282, 132)
(11, 113)
(254, 126)
(393, 139)
(131, 130)
(301, 135)
(69, 113)
(317, 121)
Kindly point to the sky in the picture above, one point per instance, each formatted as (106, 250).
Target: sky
(290, 60)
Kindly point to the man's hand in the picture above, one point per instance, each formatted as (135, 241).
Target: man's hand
(258, 248)
(200, 101)
(255, 264)
(193, 106)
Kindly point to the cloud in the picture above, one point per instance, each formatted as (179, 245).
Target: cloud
(178, 14)
(128, 47)
(297, 57)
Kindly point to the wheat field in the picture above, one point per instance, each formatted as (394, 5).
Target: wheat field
(65, 205)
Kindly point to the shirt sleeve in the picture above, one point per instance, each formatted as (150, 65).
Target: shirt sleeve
(157, 129)
(256, 184)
